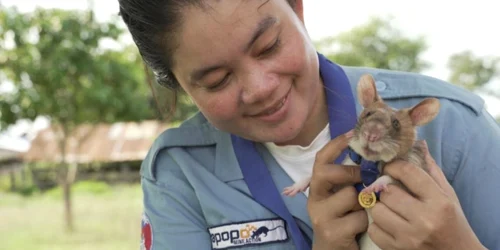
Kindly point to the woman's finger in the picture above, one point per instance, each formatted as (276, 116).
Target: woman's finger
(333, 175)
(333, 149)
(400, 202)
(354, 223)
(436, 172)
(326, 175)
(381, 238)
(389, 221)
(324, 181)
(343, 201)
(417, 180)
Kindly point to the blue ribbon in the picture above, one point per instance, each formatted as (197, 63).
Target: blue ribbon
(262, 187)
(369, 170)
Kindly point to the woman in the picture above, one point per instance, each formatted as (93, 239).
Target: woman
(272, 109)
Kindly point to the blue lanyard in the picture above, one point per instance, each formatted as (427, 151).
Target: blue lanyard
(369, 171)
(342, 116)
(262, 187)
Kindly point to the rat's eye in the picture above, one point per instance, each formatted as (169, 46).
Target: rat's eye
(369, 113)
(395, 123)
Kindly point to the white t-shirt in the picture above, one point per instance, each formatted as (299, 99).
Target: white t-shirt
(298, 161)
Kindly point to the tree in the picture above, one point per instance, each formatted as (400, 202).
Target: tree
(376, 44)
(57, 67)
(473, 72)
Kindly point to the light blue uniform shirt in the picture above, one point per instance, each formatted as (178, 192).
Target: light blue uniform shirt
(192, 182)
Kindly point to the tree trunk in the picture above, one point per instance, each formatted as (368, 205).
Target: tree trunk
(64, 174)
(68, 216)
(12, 180)
(68, 170)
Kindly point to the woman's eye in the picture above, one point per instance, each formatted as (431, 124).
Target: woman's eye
(271, 48)
(219, 84)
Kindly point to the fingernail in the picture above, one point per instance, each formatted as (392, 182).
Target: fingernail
(350, 133)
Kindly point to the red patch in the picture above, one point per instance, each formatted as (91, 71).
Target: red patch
(146, 233)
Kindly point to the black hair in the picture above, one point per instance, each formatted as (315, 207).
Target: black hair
(152, 25)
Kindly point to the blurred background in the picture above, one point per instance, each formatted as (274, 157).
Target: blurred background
(77, 114)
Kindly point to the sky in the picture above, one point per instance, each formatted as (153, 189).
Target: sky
(464, 25)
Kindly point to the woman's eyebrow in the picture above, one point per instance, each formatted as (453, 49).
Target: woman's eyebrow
(264, 24)
(200, 73)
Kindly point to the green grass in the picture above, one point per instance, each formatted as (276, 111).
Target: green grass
(105, 218)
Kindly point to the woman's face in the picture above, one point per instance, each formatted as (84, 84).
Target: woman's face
(250, 67)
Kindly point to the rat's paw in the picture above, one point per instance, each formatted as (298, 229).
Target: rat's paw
(375, 188)
(381, 184)
(290, 191)
(300, 186)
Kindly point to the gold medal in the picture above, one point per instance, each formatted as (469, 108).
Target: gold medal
(367, 200)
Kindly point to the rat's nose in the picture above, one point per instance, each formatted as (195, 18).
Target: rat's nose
(373, 133)
(371, 136)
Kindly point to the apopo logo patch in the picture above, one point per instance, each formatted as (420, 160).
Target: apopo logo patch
(245, 233)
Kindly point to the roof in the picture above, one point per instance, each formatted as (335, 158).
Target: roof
(13, 143)
(7, 154)
(9, 160)
(118, 142)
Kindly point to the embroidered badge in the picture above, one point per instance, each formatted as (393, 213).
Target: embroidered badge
(146, 233)
(248, 233)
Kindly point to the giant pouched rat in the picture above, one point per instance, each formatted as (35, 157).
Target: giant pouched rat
(383, 134)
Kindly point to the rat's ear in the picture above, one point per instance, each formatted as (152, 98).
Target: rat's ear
(367, 92)
(424, 112)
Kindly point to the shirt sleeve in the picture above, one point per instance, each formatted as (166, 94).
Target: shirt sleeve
(173, 211)
(477, 176)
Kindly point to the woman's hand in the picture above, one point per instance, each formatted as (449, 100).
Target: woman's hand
(432, 219)
(336, 217)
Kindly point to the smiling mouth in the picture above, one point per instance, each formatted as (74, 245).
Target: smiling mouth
(274, 108)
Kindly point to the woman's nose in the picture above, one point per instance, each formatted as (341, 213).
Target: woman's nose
(259, 86)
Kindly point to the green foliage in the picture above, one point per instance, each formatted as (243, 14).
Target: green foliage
(81, 187)
(28, 190)
(472, 72)
(23, 181)
(376, 44)
(59, 69)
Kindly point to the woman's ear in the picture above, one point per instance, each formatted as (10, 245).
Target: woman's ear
(299, 9)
